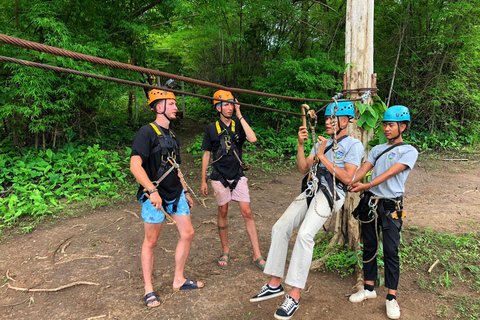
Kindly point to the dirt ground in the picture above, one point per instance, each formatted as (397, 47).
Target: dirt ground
(102, 247)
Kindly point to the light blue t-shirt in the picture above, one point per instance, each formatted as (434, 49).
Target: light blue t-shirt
(395, 186)
(350, 150)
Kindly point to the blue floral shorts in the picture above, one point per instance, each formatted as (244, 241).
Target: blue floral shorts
(151, 215)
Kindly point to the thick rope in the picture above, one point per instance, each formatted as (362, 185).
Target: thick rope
(115, 64)
(83, 57)
(132, 83)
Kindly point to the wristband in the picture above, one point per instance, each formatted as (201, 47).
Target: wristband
(186, 191)
(371, 186)
(240, 119)
(152, 190)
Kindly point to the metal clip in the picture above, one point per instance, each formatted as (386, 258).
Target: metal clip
(372, 204)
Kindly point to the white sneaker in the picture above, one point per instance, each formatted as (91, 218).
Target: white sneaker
(362, 295)
(393, 309)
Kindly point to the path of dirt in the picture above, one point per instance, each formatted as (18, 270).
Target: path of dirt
(103, 247)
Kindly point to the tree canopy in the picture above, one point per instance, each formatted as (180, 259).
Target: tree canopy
(429, 48)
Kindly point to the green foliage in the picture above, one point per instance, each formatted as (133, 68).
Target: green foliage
(468, 308)
(458, 256)
(343, 261)
(370, 115)
(39, 183)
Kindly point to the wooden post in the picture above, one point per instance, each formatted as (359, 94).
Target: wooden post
(359, 58)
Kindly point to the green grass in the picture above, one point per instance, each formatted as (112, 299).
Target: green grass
(456, 275)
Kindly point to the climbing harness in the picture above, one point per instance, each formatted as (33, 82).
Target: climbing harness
(371, 207)
(168, 158)
(311, 182)
(227, 147)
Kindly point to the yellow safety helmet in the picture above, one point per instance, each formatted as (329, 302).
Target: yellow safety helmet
(222, 94)
(156, 94)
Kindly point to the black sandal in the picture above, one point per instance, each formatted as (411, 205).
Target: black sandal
(149, 301)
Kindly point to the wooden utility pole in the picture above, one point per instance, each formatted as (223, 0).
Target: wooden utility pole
(359, 74)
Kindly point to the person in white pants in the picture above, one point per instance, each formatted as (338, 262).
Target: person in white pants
(312, 207)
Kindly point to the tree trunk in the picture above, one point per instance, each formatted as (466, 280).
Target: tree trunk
(359, 59)
(359, 56)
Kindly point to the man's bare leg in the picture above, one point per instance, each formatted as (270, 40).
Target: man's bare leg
(222, 223)
(152, 232)
(251, 229)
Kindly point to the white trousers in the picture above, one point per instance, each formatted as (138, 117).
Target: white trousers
(312, 219)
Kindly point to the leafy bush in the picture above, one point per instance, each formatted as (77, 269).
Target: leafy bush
(38, 183)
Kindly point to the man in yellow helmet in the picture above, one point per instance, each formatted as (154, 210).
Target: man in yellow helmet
(223, 140)
(155, 154)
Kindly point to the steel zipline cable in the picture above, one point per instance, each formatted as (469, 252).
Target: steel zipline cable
(124, 66)
(122, 81)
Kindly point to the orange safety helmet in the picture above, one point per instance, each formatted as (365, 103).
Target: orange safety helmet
(156, 94)
(222, 94)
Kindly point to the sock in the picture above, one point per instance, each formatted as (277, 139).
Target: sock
(271, 287)
(368, 287)
(390, 297)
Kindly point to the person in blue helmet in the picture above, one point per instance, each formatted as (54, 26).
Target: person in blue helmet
(312, 207)
(391, 163)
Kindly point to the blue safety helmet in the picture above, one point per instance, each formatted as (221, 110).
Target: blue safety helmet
(345, 108)
(397, 114)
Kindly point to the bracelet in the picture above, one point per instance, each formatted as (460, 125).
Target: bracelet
(186, 191)
(153, 190)
(240, 119)
(371, 186)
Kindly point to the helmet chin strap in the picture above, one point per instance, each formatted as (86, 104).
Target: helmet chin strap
(163, 112)
(339, 126)
(399, 133)
(221, 111)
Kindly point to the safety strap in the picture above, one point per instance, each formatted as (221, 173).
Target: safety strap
(215, 175)
(162, 145)
(324, 172)
(219, 129)
(386, 150)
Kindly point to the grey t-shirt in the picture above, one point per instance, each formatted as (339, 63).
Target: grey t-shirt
(395, 186)
(350, 150)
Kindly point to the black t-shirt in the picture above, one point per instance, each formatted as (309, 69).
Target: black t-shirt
(144, 142)
(228, 166)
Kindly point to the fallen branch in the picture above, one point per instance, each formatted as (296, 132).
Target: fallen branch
(81, 258)
(455, 159)
(56, 249)
(132, 213)
(55, 289)
(108, 225)
(97, 317)
(433, 266)
(8, 276)
(79, 225)
(202, 200)
(14, 304)
(65, 246)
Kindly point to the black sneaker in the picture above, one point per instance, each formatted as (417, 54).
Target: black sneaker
(287, 309)
(267, 293)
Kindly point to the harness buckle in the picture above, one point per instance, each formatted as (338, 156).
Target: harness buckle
(372, 204)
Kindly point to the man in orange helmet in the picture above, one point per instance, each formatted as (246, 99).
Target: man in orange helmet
(224, 139)
(155, 157)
